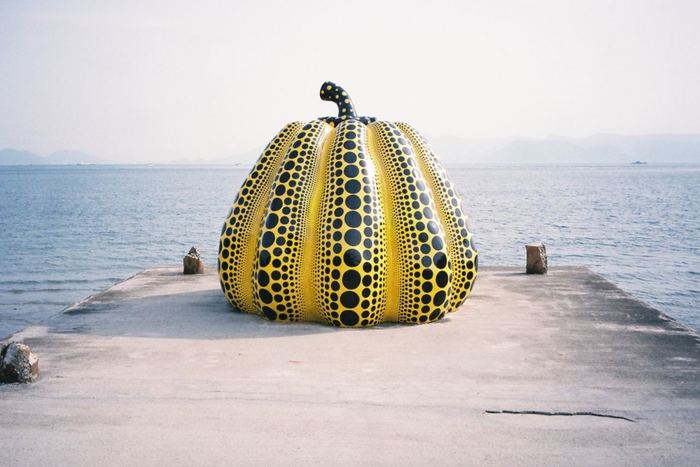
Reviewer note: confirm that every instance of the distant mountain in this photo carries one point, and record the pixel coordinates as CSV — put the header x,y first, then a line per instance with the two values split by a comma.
x,y
596,149
18,157
453,150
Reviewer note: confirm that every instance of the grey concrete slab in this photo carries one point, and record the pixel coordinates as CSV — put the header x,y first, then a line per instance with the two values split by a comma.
x,y
158,371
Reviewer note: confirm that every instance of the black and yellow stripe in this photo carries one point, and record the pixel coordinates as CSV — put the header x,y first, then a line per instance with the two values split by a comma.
x,y
349,221
241,231
451,215
351,262
277,277
422,256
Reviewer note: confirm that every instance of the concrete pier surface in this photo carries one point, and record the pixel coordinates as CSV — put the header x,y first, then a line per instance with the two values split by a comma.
x,y
560,369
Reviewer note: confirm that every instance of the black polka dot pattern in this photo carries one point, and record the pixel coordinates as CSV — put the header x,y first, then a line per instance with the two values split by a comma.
x,y
346,110
277,279
351,255
241,229
425,267
453,218
349,221
334,121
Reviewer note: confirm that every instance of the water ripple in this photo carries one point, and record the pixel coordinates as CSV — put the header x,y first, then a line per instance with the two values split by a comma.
x,y
69,231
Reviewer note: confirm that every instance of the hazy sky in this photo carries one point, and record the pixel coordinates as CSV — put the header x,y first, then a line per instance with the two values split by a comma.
x,y
160,81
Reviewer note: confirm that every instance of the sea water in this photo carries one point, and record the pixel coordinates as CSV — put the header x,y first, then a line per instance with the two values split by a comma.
x,y
70,231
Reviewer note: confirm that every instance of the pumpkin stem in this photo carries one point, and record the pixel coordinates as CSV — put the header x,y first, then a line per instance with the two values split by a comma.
x,y
334,93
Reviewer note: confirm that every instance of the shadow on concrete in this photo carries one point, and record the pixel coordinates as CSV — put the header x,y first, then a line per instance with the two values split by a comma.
x,y
202,314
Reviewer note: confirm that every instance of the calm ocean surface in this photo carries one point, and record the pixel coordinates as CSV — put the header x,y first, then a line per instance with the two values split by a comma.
x,y
69,231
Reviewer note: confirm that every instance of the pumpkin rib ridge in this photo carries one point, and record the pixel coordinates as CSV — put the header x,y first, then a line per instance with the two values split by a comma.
x,y
379,236
452,215
312,310
349,221
351,263
277,271
393,257
425,267
239,235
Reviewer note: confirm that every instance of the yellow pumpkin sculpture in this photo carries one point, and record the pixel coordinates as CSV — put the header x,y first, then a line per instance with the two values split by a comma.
x,y
349,221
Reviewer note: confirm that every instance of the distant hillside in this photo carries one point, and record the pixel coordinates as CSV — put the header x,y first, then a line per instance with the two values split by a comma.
x,y
597,149
452,150
18,157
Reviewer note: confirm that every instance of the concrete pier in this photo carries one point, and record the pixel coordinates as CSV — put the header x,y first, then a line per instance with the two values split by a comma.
x,y
562,368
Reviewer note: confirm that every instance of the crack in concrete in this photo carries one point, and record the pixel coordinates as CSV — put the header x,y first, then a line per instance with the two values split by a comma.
x,y
564,414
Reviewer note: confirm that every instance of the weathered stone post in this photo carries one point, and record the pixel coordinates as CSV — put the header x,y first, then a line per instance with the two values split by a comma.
x,y
536,258
192,262
18,364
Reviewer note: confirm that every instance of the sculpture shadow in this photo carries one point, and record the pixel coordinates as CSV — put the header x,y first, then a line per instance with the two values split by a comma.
x,y
203,314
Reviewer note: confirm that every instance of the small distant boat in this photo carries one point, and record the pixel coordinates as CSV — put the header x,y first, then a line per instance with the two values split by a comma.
x,y
639,163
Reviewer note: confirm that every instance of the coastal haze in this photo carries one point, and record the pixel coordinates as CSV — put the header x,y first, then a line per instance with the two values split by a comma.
x,y
158,82
127,128
455,151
